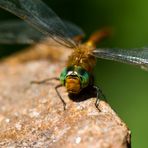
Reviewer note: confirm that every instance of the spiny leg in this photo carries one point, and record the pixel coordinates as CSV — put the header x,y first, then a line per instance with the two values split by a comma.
x,y
56,88
99,94
44,81
64,103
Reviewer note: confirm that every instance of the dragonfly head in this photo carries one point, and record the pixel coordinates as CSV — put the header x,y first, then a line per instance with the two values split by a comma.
x,y
72,84
74,78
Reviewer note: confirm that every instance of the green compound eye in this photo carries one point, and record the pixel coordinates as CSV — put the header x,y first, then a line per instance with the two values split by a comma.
x,y
63,75
78,71
83,75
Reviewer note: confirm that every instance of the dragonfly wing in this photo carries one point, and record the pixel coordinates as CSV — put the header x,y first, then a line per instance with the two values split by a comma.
x,y
137,57
74,29
20,32
40,16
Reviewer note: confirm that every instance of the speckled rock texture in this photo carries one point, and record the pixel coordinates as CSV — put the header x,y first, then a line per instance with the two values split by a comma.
x,y
32,115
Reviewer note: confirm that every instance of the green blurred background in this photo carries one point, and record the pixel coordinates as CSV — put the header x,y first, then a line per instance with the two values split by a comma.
x,y
125,86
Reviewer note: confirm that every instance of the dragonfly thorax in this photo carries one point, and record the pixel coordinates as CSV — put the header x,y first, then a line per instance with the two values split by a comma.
x,y
82,56
75,78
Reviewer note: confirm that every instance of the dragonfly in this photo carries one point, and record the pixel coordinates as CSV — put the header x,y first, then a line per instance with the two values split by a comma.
x,y
78,73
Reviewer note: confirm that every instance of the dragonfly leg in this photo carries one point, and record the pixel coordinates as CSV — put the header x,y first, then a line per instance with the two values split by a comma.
x,y
56,88
44,81
64,103
99,94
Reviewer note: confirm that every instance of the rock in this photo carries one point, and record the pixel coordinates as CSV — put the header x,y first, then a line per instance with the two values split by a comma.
x,y
32,115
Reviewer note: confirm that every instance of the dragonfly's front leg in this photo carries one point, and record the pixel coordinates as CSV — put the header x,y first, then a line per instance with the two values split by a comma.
x,y
44,81
64,103
99,94
56,88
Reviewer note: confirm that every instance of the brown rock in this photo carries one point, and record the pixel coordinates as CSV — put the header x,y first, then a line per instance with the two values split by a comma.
x,y
32,115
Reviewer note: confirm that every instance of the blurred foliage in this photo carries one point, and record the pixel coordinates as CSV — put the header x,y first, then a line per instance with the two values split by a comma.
x,y
124,85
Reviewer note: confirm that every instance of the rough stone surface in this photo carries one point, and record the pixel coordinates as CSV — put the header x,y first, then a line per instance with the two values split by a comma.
x,y
32,115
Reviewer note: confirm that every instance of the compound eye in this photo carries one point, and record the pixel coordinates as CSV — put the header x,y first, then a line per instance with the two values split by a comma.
x,y
84,77
63,75
66,71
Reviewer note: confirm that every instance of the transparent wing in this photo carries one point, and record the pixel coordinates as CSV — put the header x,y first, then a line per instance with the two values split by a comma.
x,y
73,29
41,17
137,56
19,32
